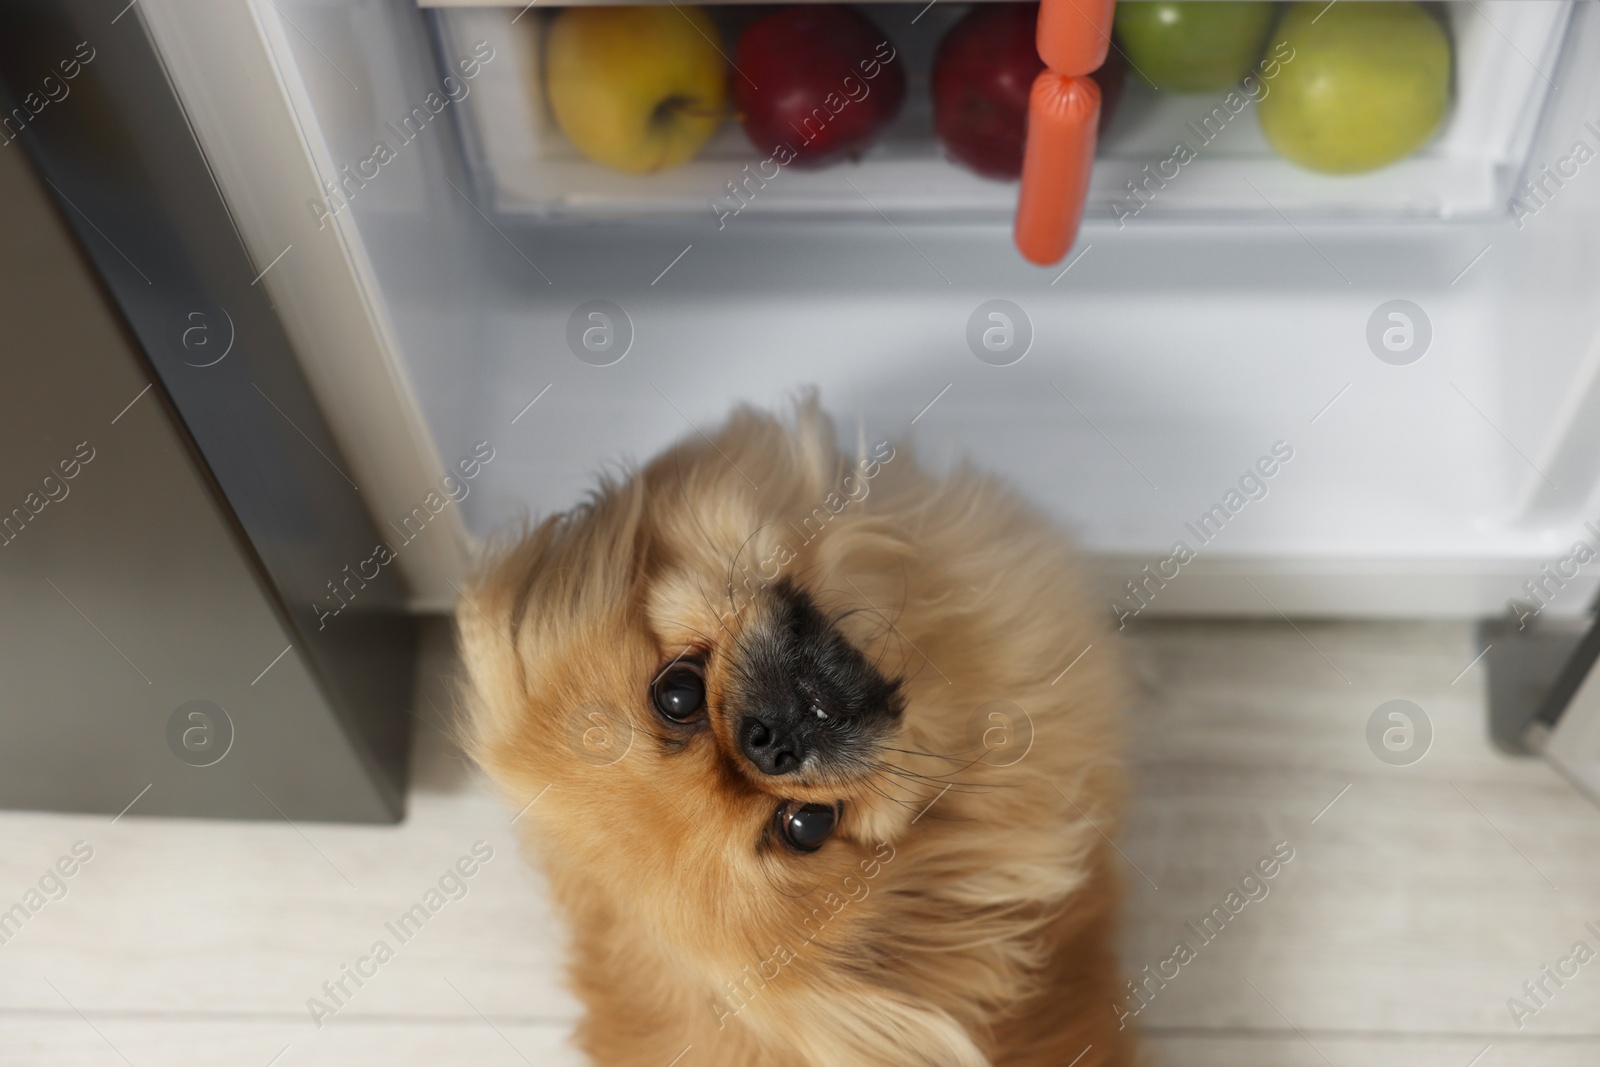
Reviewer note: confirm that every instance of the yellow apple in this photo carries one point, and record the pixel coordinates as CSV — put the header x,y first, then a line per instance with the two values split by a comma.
x,y
1365,84
636,88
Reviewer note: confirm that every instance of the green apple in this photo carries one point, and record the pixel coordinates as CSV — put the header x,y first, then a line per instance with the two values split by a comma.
x,y
636,88
1194,46
1366,84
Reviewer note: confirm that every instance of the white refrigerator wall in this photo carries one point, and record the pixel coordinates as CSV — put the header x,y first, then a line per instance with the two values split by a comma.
x,y
1179,349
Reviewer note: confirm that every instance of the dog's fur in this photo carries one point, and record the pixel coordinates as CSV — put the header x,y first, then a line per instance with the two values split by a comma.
x,y
962,913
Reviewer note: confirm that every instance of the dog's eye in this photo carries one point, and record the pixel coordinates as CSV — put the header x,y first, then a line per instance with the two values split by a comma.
x,y
679,692
804,827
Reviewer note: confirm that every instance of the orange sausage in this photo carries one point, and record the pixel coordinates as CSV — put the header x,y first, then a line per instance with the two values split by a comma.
x,y
1073,35
1062,114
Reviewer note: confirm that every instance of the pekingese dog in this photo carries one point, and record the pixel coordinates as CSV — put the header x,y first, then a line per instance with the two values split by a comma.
x,y
819,756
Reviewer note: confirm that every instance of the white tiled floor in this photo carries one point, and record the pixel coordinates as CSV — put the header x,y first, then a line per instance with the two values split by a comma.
x,y
1413,908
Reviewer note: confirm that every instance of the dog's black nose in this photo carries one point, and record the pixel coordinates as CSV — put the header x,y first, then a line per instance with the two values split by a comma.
x,y
800,697
771,747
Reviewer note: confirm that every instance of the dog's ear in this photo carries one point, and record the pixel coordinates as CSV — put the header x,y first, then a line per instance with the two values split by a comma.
x,y
546,591
572,565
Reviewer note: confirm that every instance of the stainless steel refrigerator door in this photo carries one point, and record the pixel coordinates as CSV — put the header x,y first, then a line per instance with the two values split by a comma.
x,y
192,622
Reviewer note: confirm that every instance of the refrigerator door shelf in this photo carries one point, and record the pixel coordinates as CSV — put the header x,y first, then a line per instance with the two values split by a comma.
x,y
1225,169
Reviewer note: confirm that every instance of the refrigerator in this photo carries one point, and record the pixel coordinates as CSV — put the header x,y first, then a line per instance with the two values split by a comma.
x,y
1248,389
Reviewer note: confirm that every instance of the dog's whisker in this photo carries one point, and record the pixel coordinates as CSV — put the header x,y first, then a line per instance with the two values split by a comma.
x,y
942,779
928,755
965,789
734,560
912,790
967,763
926,779
907,804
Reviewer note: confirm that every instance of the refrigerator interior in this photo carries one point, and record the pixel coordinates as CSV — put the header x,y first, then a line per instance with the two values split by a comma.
x,y
1174,348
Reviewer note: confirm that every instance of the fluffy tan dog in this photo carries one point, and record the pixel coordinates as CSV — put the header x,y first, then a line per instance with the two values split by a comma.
x,y
815,790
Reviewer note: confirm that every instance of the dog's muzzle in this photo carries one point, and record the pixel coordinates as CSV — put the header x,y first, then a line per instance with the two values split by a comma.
x,y
803,697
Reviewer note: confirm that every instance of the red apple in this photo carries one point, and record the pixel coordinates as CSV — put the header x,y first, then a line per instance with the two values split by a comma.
x,y
820,79
982,76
